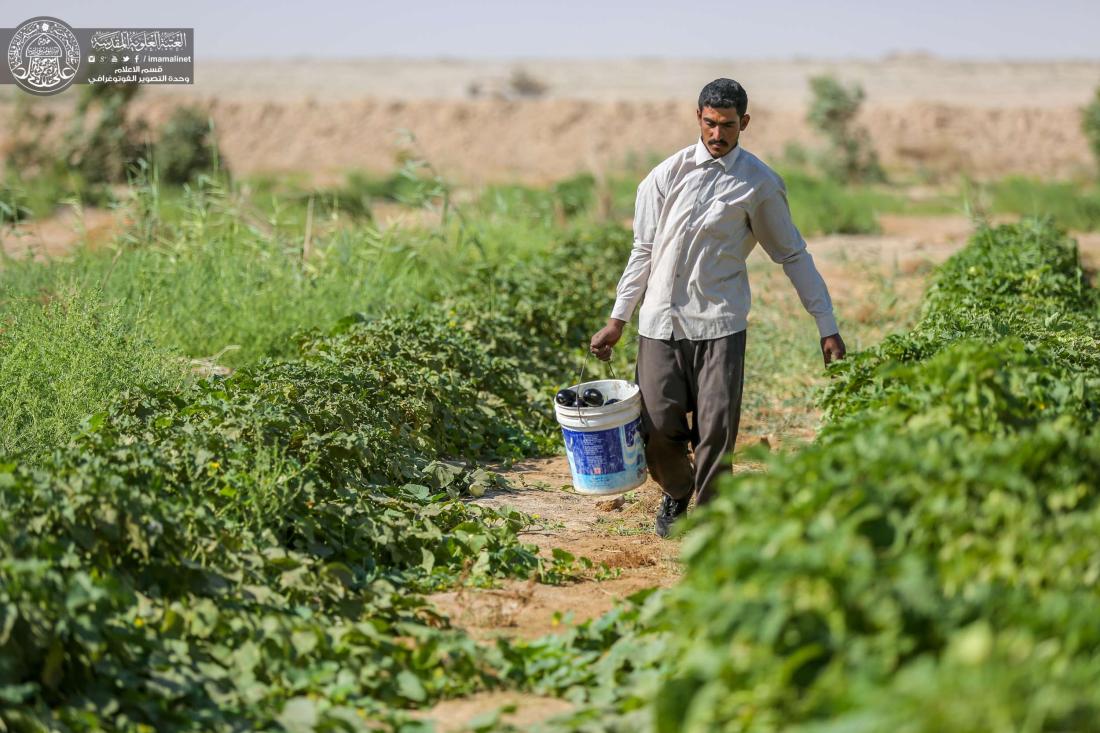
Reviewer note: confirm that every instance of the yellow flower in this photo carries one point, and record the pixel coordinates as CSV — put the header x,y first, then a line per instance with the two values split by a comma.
x,y
139,622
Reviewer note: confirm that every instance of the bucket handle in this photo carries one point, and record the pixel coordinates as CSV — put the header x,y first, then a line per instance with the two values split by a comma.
x,y
580,379
584,363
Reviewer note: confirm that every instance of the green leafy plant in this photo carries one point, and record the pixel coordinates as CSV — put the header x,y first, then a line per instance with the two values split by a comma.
x,y
252,550
936,540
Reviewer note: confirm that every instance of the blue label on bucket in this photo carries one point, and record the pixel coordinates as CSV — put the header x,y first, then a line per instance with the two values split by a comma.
x,y
595,453
606,461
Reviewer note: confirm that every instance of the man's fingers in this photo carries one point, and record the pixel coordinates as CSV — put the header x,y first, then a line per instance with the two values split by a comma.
x,y
832,349
602,344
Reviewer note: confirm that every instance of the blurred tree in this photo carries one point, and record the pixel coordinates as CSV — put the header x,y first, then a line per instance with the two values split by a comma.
x,y
1090,123
105,141
832,113
186,146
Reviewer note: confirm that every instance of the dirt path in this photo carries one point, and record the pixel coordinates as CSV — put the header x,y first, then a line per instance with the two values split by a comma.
x,y
614,531
455,716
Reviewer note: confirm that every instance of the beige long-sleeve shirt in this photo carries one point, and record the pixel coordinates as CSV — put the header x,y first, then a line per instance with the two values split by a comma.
x,y
696,220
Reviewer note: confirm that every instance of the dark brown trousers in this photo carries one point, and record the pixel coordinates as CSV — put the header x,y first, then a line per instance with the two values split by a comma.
x,y
704,378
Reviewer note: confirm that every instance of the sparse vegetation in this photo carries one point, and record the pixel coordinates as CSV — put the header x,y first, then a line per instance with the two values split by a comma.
x,y
103,145
1090,124
105,141
186,147
833,111
523,84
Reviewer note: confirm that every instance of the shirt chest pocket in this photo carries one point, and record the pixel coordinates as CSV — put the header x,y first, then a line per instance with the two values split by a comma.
x,y
724,219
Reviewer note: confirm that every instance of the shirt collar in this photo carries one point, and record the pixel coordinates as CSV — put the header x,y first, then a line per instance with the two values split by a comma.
x,y
702,155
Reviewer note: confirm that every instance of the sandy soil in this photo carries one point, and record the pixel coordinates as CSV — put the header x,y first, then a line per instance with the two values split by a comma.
x,y
614,531
896,79
452,716
54,236
542,140
925,115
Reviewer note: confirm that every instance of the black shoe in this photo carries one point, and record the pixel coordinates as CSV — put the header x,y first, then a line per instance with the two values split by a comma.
x,y
668,512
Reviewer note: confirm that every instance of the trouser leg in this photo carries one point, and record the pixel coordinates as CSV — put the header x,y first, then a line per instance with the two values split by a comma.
x,y
719,369
667,390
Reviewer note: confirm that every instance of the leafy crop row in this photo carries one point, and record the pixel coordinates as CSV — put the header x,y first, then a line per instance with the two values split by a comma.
x,y
930,563
248,553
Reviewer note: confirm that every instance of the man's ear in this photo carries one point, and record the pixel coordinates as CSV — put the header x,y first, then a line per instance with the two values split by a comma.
x,y
698,114
744,120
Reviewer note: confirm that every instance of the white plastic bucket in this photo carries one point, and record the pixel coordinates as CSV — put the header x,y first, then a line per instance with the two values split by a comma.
x,y
604,444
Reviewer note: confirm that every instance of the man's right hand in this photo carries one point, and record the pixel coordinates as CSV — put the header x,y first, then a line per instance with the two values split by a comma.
x,y
607,337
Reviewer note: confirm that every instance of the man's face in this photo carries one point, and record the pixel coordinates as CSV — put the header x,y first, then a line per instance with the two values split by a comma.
x,y
720,128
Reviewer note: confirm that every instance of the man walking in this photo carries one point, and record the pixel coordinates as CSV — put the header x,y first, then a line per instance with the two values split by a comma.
x,y
697,217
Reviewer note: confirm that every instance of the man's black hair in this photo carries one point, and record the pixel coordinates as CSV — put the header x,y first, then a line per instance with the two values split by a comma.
x,y
723,94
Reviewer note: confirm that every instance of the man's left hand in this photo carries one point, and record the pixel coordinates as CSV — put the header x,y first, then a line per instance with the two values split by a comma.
x,y
832,348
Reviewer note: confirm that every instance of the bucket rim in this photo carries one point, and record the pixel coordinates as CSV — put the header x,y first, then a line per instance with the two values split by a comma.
x,y
593,418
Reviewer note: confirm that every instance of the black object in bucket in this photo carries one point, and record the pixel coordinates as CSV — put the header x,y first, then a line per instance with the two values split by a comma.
x,y
592,397
566,398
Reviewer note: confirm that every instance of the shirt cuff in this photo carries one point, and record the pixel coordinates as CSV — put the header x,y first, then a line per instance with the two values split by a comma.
x,y
826,325
623,311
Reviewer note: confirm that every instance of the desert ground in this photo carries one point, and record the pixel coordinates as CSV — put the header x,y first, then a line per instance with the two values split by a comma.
x,y
927,116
